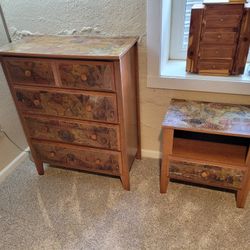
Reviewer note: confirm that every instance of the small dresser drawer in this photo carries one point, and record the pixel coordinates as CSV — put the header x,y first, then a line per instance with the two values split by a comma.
x,y
87,75
80,105
206,174
218,67
30,71
216,52
215,37
81,158
222,21
80,133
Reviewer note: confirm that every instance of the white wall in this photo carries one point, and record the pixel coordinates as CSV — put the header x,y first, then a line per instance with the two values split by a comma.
x,y
109,18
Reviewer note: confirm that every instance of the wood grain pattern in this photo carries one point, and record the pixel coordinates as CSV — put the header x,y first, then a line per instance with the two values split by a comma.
x,y
194,37
222,21
243,44
217,37
207,174
80,133
26,71
73,47
84,106
208,117
87,75
79,157
216,52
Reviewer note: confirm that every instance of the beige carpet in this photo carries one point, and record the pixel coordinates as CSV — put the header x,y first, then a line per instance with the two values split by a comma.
x,y
72,210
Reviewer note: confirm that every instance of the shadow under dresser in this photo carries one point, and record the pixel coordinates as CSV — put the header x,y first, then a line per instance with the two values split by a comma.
x,y
77,98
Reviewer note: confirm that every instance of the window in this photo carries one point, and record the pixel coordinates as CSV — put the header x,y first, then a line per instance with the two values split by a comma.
x,y
181,13
164,70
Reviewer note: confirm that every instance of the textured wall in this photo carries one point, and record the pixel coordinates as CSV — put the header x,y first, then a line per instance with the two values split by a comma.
x,y
109,18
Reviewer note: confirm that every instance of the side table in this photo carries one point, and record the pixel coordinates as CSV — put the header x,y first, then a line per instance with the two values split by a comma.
x,y
207,143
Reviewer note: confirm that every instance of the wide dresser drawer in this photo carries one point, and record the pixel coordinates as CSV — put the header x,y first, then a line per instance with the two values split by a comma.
x,y
70,104
82,158
80,133
206,174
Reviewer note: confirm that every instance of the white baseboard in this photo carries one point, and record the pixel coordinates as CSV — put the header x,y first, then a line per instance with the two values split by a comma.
x,y
13,165
151,154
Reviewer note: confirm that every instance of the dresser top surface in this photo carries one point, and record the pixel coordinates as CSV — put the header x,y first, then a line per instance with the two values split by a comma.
x,y
70,47
208,117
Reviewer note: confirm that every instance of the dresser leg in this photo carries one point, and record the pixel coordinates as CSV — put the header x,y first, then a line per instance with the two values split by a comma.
x,y
125,182
39,166
164,179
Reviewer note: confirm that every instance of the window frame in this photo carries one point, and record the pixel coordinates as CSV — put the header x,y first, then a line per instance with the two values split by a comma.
x,y
170,74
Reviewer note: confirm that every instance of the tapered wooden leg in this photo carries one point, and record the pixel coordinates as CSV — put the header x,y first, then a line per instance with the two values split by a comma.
x,y
39,166
125,182
241,198
167,147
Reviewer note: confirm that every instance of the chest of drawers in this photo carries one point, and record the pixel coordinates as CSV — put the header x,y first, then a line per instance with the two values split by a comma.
x,y
219,38
77,98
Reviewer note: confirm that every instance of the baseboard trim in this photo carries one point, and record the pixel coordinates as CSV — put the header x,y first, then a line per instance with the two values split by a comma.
x,y
151,154
13,165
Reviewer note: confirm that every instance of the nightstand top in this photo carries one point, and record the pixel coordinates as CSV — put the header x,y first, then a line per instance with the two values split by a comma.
x,y
208,117
79,47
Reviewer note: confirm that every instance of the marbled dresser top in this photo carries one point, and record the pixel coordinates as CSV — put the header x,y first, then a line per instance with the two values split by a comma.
x,y
69,46
208,117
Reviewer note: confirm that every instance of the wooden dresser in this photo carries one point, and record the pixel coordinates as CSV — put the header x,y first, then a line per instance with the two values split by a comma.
x,y
207,143
77,98
219,38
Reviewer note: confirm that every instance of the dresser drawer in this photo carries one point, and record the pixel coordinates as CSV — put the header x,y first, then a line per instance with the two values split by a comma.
x,y
206,174
87,75
81,158
222,66
216,52
29,71
215,37
222,21
81,133
80,105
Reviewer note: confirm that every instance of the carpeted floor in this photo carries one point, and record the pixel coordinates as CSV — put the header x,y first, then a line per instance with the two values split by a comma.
x,y
72,210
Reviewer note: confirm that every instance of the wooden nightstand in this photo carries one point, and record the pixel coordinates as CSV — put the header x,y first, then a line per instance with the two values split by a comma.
x,y
207,143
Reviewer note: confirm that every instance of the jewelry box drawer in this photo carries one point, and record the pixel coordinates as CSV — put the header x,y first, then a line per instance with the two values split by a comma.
x,y
216,67
222,21
90,75
30,71
82,158
224,9
216,52
80,133
206,174
216,37
62,103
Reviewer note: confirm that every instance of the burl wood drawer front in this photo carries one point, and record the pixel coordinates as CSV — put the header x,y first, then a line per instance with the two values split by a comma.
x,y
207,174
215,37
30,71
216,52
80,133
87,75
80,105
79,157
222,21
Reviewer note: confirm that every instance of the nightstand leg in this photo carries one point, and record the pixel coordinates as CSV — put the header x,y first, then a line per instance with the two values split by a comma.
x,y
241,198
167,147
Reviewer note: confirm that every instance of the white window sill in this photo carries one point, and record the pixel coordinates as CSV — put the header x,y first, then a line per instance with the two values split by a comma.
x,y
174,76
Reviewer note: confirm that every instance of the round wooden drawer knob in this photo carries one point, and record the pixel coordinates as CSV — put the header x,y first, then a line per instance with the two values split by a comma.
x,y
219,36
98,162
89,108
94,137
52,154
217,52
36,102
213,67
204,174
27,73
222,20
84,77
